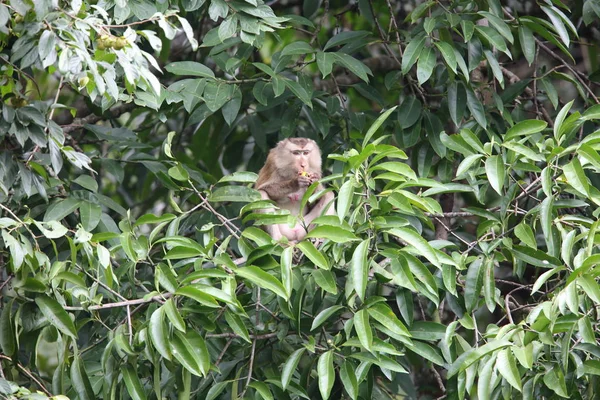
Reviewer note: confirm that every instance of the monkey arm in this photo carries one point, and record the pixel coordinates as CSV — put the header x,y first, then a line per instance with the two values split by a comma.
x,y
277,191
272,230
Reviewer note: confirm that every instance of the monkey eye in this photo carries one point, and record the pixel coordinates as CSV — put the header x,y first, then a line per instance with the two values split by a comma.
x,y
296,152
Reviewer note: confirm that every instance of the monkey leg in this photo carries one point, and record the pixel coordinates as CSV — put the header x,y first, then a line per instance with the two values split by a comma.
x,y
325,206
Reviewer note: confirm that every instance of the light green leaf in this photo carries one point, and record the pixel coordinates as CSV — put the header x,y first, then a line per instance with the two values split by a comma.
x,y
421,245
314,255
326,374
324,315
378,122
190,68
496,172
262,279
290,366
359,268
363,329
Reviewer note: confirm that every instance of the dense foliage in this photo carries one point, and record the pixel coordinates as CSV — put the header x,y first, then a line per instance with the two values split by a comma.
x,y
460,139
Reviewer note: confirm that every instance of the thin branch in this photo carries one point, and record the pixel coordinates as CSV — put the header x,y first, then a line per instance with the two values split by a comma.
x,y
8,210
236,336
93,118
29,374
158,298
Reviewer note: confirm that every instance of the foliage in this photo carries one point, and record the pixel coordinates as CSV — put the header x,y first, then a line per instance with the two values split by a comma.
x,y
462,259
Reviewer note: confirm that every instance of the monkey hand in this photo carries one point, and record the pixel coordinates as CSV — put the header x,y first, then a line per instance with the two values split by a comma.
x,y
304,180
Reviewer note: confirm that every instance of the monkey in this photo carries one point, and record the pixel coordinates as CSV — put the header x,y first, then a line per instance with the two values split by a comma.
x,y
291,167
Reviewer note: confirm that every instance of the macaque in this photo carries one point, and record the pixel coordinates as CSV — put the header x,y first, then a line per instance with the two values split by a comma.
x,y
292,166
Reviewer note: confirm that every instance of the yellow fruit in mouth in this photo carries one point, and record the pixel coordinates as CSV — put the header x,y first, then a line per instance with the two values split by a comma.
x,y
304,173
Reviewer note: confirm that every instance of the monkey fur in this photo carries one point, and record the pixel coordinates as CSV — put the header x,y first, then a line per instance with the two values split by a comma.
x,y
291,166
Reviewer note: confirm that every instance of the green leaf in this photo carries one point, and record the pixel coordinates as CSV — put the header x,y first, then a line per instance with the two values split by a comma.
x,y
476,109
173,315
325,373
448,53
190,68
286,270
234,194
473,355
314,255
425,65
363,329
558,25
262,389
262,279
524,151
324,315
525,128
227,28
457,101
90,215
348,378
576,177
7,330
216,95
412,52
237,325
159,333
473,284
345,197
325,63
188,354
555,380
501,26
535,257
133,383
335,234
345,37
544,277
560,118
527,42
51,229
355,66
421,245
491,35
496,173
297,48
299,91
290,367
56,315
359,268
525,234
378,122
546,219
383,314
80,381
325,279
87,182
57,211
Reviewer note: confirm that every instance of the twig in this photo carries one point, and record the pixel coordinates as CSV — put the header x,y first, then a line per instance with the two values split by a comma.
x,y
93,118
8,210
438,378
236,336
206,205
28,373
222,354
249,378
158,298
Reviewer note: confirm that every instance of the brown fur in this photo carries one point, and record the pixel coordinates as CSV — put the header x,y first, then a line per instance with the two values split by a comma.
x,y
284,179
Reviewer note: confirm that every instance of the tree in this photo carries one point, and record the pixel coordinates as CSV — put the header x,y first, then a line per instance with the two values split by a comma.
x,y
461,142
